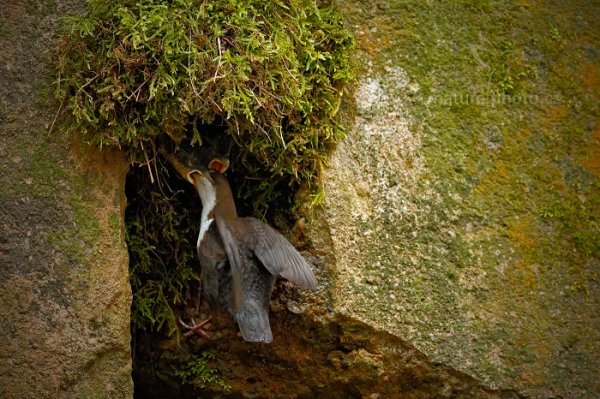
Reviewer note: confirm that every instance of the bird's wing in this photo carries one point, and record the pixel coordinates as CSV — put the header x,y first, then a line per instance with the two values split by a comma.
x,y
251,315
279,256
211,254
233,254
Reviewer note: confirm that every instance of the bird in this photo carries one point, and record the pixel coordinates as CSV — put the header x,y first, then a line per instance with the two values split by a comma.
x,y
213,153
257,255
240,258
215,274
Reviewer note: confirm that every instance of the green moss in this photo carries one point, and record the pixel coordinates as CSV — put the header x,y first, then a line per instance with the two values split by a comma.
x,y
199,372
132,72
498,235
115,224
273,72
161,233
88,226
42,170
78,237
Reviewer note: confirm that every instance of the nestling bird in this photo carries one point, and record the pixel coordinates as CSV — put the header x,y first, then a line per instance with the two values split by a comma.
x,y
240,258
213,153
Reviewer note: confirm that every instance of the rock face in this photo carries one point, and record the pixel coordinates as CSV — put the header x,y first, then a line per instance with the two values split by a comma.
x,y
460,210
457,246
64,290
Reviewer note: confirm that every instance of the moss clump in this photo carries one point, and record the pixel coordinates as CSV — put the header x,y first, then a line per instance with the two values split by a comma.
x,y
274,72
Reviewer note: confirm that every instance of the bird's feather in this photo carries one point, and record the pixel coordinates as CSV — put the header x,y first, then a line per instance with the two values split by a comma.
x,y
215,273
256,254
276,253
233,254
253,321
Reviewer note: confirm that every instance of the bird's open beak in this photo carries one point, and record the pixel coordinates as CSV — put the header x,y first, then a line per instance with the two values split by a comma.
x,y
193,176
219,164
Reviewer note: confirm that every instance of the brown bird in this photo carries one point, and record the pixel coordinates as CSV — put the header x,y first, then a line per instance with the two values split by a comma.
x,y
257,255
212,154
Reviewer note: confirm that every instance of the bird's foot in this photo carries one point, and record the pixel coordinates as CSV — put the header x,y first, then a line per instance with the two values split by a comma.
x,y
194,328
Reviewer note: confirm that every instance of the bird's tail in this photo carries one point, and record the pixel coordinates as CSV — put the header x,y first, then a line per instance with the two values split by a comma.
x,y
254,323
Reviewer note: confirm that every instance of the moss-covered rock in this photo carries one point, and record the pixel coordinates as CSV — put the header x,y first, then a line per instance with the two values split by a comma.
x,y
64,292
461,210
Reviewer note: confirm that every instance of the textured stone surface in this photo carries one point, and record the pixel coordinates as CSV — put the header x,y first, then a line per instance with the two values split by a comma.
x,y
461,212
64,291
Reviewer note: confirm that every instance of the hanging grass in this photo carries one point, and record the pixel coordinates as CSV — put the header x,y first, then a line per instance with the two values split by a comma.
x,y
273,71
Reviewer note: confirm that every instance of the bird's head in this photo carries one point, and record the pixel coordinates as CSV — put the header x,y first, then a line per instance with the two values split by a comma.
x,y
219,164
202,180
213,186
213,154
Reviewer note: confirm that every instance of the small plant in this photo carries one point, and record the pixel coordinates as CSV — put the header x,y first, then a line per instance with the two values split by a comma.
x,y
513,72
554,34
198,372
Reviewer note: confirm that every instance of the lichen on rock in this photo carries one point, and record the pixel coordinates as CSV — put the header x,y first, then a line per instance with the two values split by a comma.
x,y
465,180
64,293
